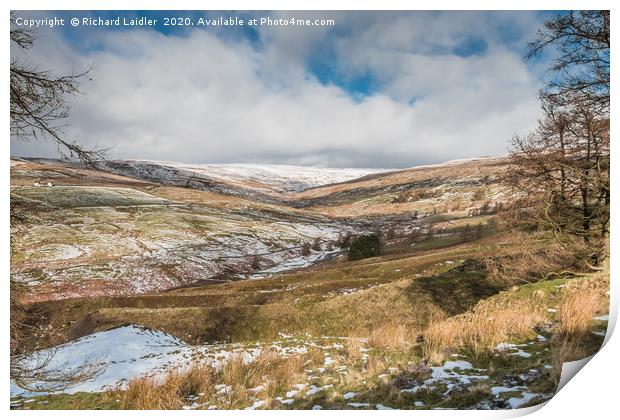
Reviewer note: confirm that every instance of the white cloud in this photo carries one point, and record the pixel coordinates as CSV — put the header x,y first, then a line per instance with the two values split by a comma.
x,y
200,98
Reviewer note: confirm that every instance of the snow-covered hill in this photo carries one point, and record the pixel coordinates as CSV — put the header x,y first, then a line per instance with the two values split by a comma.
x,y
238,179
284,177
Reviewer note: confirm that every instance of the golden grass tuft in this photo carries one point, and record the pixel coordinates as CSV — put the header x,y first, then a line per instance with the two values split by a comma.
x,y
391,335
375,365
480,331
577,310
170,392
568,349
316,356
438,337
271,370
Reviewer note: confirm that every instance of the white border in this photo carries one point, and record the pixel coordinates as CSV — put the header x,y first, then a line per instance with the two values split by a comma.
x,y
592,394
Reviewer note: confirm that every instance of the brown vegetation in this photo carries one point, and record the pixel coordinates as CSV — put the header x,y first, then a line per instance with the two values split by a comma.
x,y
240,383
392,335
479,331
577,310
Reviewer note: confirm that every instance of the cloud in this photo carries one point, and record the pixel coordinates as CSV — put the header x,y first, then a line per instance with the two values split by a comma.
x,y
202,98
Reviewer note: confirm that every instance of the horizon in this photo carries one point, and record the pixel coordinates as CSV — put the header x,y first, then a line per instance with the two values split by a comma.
x,y
261,164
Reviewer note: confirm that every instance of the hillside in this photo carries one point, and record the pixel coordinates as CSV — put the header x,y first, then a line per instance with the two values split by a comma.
x,y
454,186
245,286
254,180
95,232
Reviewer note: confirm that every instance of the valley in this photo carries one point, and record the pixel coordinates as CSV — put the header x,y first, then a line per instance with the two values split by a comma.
x,y
142,270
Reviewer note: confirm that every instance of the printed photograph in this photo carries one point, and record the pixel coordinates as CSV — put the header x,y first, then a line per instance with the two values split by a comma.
x,y
306,210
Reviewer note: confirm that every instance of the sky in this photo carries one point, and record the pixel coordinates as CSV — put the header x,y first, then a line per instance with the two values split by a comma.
x,y
376,89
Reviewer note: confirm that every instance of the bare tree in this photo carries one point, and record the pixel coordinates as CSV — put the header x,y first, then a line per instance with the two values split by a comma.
x,y
581,66
465,231
564,175
37,110
479,230
561,169
39,101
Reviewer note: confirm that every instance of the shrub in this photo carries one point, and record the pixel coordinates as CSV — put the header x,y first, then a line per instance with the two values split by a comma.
x,y
438,337
364,246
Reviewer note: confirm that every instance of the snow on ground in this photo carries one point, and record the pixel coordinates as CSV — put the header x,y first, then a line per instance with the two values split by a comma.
x,y
285,177
118,354
129,352
123,353
453,373
456,374
295,262
233,246
515,347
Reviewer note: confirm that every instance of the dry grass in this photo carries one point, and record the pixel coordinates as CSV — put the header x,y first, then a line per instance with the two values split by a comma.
x,y
487,329
530,259
513,316
170,392
375,365
582,301
438,337
576,311
392,335
567,350
478,332
270,373
353,350
316,356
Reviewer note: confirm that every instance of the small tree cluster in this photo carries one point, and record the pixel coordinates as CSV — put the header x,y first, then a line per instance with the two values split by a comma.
x,y
365,246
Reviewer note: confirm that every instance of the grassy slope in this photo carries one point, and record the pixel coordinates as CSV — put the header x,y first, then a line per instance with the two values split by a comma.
x,y
338,299
446,188
381,377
